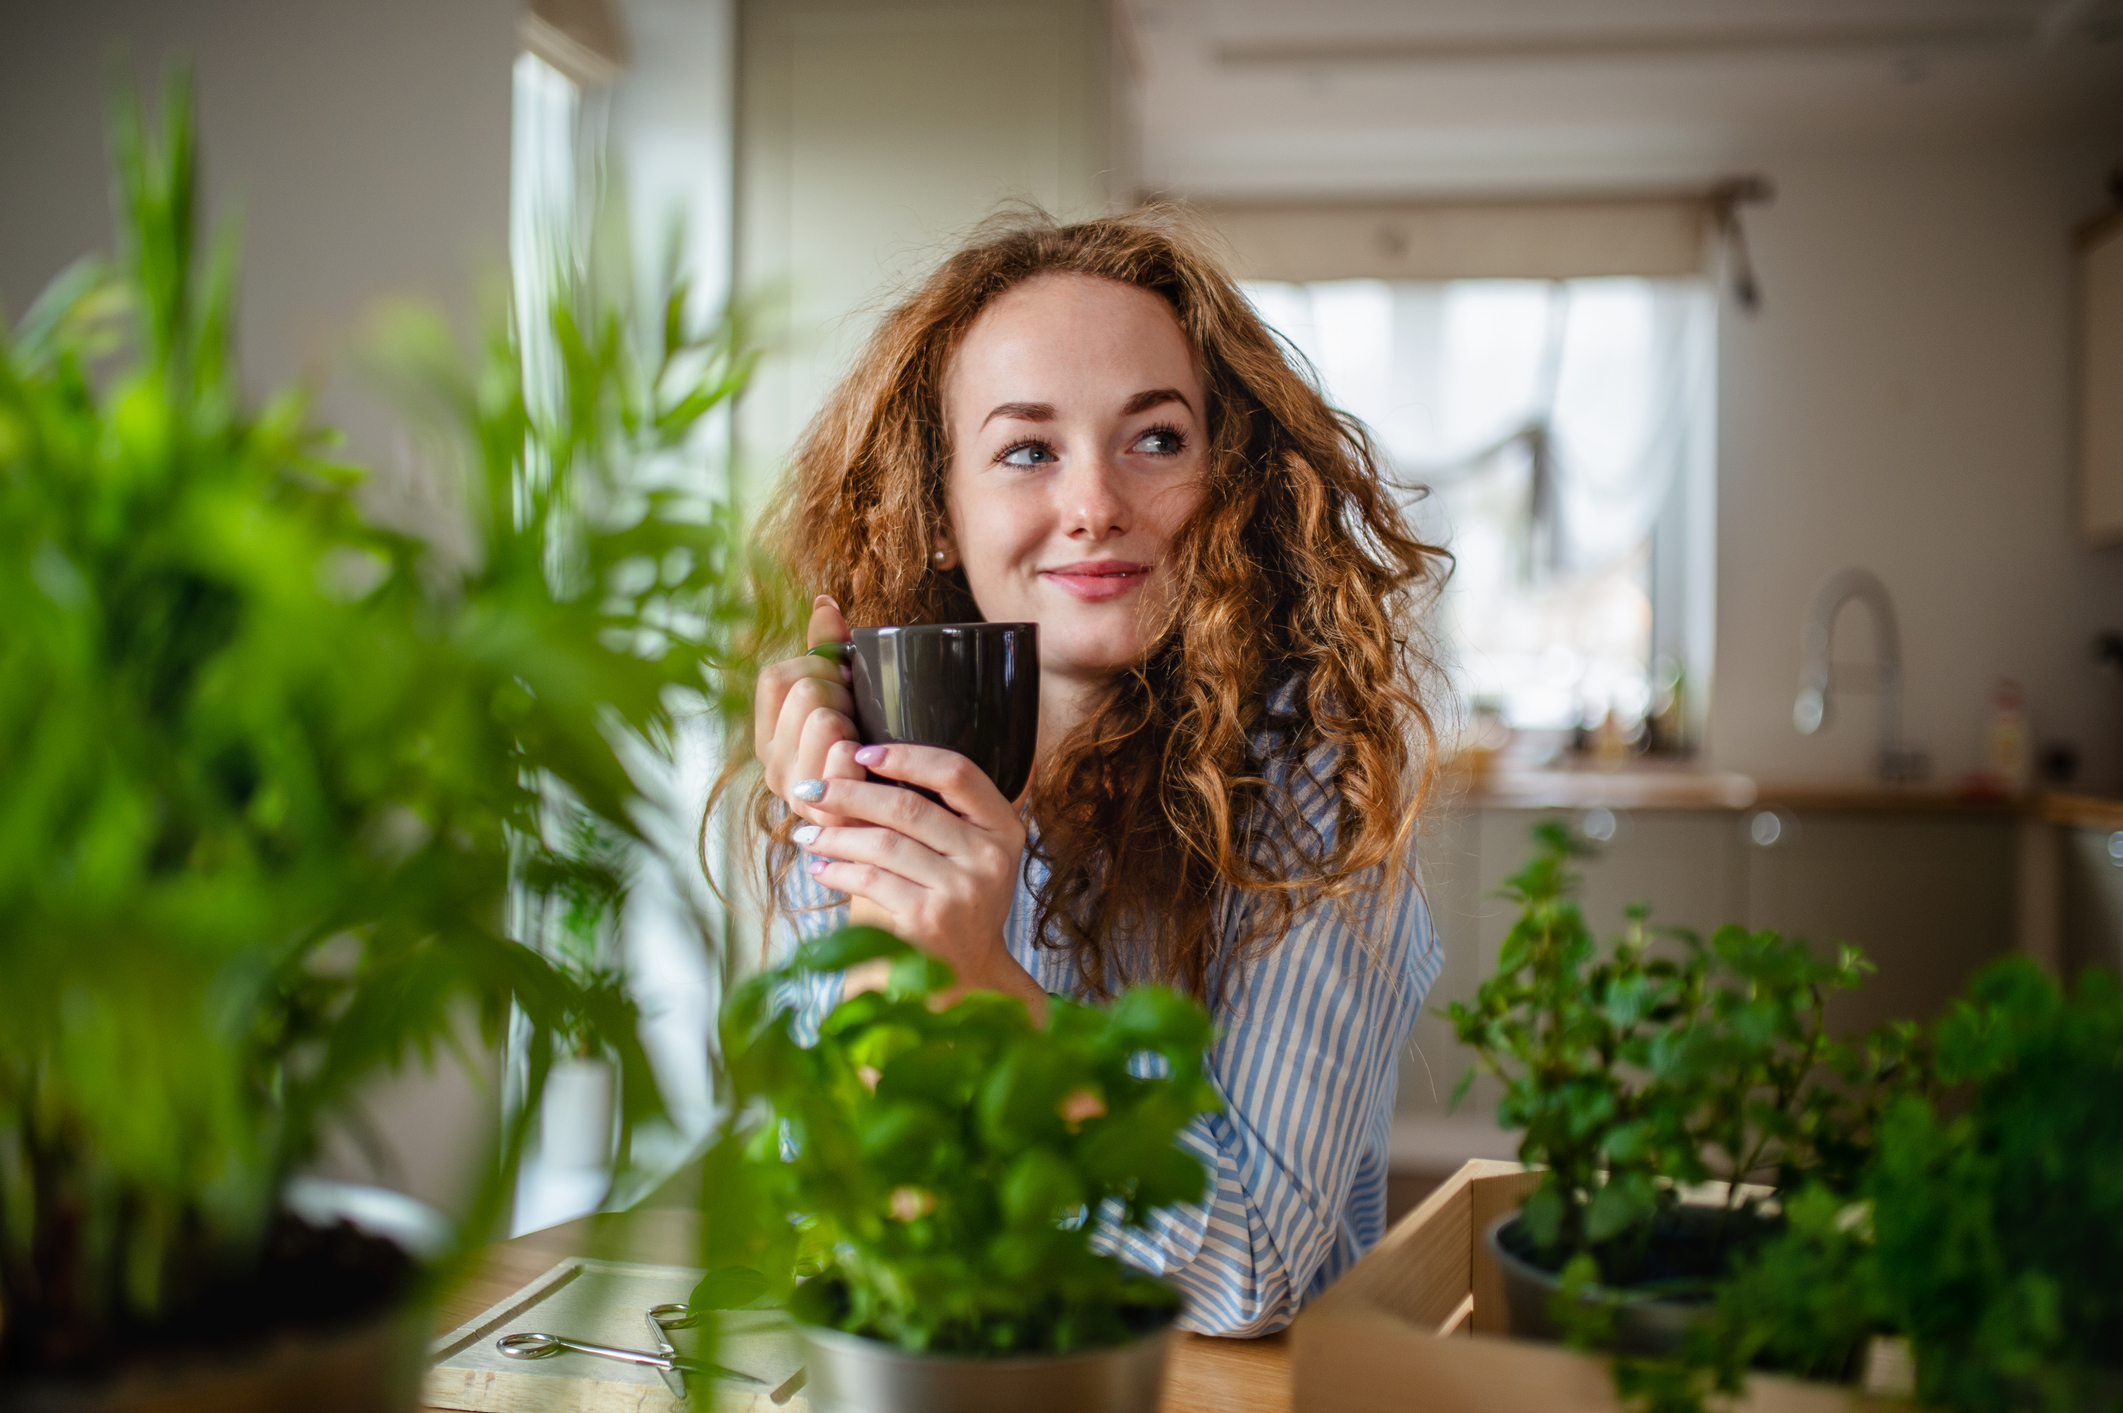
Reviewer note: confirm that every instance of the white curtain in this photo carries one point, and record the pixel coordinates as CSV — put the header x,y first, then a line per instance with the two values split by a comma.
x,y
1550,420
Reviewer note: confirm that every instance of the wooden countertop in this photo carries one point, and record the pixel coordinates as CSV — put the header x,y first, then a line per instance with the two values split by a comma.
x,y
1665,788
2082,811
1203,1374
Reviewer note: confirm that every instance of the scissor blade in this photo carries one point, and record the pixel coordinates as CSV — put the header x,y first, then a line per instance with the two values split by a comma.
x,y
716,1371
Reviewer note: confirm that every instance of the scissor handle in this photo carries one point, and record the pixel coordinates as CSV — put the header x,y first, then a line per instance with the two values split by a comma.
x,y
526,1344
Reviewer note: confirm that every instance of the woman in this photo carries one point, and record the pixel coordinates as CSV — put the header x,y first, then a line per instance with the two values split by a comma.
x,y
1088,427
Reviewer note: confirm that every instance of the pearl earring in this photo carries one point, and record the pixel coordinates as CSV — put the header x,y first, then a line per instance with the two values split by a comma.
x,y
937,557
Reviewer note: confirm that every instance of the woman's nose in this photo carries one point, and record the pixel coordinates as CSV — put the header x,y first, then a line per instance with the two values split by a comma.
x,y
1092,502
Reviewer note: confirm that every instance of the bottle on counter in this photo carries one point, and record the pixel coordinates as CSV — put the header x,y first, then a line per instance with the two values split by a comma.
x,y
2012,753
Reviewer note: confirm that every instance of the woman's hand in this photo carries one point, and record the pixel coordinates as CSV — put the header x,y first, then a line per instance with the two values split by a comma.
x,y
942,880
803,716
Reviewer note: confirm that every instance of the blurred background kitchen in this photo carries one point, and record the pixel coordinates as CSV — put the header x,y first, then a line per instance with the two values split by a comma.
x,y
1763,360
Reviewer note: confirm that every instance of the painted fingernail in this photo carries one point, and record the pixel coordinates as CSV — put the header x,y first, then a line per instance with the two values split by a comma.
x,y
817,866
810,791
806,834
870,755
826,601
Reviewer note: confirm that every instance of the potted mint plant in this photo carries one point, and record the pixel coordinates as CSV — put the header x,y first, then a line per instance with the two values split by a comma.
x,y
273,772
1639,1070
933,1191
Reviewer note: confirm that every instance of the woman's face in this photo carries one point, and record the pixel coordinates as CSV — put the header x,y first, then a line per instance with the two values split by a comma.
x,y
1079,442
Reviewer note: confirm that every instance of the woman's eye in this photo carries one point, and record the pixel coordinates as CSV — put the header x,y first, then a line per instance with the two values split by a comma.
x,y
1029,454
1161,441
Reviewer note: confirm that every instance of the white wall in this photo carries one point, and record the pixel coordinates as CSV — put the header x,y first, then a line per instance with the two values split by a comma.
x,y
366,144
871,133
674,117
1903,402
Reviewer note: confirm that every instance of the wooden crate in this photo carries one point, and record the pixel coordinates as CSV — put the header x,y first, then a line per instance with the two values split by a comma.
x,y
1419,1323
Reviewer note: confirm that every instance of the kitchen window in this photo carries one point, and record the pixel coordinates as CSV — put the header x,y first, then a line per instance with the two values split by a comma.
x,y
1556,436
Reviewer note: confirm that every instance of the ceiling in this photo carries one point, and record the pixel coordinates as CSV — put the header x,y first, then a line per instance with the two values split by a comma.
x,y
1373,97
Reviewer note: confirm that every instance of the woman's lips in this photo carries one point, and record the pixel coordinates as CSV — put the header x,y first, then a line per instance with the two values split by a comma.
x,y
1095,579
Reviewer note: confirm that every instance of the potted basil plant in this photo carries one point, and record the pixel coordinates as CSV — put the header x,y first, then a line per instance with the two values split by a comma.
x,y
272,774
1639,1071
934,1192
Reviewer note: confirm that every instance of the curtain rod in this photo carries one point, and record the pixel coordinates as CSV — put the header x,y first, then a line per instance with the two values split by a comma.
x,y
1980,31
1725,192
1719,202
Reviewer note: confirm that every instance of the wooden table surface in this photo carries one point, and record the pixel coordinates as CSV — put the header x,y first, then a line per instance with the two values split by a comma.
x,y
1203,1374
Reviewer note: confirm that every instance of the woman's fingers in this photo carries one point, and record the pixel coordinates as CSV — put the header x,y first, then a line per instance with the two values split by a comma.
x,y
903,811
881,887
824,750
770,700
821,682
813,706
889,807
964,786
886,849
814,714
828,624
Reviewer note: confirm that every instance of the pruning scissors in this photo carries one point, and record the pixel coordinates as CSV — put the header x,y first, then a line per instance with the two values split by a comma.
x,y
678,1316
664,1359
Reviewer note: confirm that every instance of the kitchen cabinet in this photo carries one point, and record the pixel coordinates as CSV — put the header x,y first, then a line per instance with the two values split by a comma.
x,y
1928,896
2091,898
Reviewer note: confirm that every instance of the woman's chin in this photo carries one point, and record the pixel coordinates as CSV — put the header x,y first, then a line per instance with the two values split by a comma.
x,y
1064,655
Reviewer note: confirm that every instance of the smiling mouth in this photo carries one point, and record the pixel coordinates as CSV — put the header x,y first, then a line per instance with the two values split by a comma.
x,y
1098,578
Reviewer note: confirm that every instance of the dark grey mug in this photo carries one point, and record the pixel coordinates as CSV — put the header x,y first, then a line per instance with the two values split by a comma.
x,y
970,687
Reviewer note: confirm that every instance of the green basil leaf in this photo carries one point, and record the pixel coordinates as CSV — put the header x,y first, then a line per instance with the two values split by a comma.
x,y
727,1288
847,947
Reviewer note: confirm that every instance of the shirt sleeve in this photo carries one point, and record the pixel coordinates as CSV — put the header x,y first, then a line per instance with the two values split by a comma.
x,y
1307,1064
808,910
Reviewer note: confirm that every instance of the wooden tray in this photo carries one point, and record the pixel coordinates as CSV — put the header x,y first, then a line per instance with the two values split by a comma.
x,y
1420,1322
605,1302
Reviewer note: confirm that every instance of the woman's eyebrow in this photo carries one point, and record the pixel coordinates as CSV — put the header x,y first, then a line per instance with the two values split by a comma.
x,y
1144,401
1022,412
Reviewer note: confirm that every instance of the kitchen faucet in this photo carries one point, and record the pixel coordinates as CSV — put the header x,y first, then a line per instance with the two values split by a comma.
x,y
1810,712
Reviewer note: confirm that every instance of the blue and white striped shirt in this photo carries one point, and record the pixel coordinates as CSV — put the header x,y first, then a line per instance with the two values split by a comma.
x,y
1306,1063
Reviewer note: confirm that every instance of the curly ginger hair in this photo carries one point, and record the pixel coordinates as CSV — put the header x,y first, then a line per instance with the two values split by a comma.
x,y
1299,569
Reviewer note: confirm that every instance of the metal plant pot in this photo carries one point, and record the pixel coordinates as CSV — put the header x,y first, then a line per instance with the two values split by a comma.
x,y
850,1374
1643,1325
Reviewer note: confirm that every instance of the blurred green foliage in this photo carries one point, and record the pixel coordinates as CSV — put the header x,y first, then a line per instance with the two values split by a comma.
x,y
1989,1226
270,769
938,1175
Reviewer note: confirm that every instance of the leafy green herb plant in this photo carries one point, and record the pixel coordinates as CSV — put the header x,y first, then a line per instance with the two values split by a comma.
x,y
1989,1228
938,1177
273,772
1999,1228
1951,1191
1658,1062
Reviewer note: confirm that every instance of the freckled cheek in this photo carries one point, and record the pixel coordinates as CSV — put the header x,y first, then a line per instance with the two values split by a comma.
x,y
1001,549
